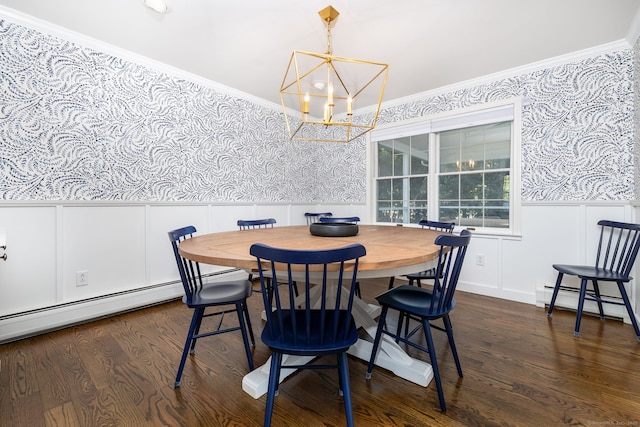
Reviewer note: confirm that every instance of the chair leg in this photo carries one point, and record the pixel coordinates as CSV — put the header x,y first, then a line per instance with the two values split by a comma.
x,y
376,341
391,280
245,337
269,290
248,321
401,317
195,322
406,325
295,288
627,304
272,388
596,291
340,386
196,331
434,363
452,344
343,367
555,293
583,292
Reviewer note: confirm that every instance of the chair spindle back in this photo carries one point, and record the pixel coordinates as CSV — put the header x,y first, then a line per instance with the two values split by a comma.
x,y
618,247
451,256
189,270
246,224
318,318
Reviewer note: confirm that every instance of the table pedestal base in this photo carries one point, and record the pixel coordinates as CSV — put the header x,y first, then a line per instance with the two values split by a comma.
x,y
255,382
390,356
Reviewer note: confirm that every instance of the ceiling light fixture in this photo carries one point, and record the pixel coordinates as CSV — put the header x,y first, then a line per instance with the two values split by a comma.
x,y
319,93
157,5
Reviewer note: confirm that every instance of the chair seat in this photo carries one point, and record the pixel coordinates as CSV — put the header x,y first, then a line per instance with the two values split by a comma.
x,y
427,274
591,273
219,293
413,300
315,344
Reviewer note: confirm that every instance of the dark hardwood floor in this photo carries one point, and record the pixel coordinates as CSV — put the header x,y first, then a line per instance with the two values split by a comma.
x,y
520,369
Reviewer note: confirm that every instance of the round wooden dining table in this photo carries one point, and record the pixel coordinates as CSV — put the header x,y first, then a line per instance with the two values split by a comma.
x,y
391,251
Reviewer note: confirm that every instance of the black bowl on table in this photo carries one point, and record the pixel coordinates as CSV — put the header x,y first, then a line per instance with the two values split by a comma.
x,y
334,229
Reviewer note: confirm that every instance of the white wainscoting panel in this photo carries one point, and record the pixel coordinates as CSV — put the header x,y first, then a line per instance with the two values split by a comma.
x,y
125,249
28,277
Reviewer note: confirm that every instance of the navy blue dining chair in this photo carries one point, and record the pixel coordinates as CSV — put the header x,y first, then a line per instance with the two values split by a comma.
x,y
334,219
344,219
300,327
200,296
617,251
313,217
445,227
246,224
426,305
251,224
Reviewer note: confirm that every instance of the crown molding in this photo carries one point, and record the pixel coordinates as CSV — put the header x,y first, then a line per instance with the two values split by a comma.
x,y
634,29
100,46
513,72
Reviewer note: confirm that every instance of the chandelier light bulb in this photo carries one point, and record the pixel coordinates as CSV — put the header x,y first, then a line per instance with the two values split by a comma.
x,y
157,5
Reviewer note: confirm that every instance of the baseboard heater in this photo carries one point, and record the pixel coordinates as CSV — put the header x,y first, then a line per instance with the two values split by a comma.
x,y
568,300
28,323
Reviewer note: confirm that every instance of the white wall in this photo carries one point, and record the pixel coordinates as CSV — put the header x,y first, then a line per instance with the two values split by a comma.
x,y
520,268
123,246
125,249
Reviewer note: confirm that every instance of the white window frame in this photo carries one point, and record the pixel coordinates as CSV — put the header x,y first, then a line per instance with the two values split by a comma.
x,y
509,109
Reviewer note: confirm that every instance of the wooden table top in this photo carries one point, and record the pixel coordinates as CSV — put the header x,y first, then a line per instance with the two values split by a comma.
x,y
401,250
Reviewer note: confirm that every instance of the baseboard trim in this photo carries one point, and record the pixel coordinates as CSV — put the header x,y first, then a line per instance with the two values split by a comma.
x,y
35,322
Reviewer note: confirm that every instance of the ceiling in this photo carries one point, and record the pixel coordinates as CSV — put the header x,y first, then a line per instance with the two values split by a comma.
x,y
246,44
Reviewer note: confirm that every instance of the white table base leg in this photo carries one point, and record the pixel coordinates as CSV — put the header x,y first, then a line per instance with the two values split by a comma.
x,y
255,382
393,358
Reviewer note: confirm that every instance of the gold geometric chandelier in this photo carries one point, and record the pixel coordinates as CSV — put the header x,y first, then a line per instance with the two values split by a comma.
x,y
320,92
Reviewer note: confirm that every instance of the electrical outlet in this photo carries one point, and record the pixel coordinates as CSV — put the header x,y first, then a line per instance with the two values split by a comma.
x,y
480,260
82,278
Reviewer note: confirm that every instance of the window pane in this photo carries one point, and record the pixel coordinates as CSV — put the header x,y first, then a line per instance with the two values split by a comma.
x,y
448,187
399,186
385,158
416,215
449,211
498,146
497,185
498,210
472,149
471,217
401,151
418,188
397,214
384,212
450,151
419,154
384,189
471,186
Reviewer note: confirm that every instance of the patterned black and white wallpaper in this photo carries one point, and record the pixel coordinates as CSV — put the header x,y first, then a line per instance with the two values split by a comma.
x,y
636,120
76,124
577,126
